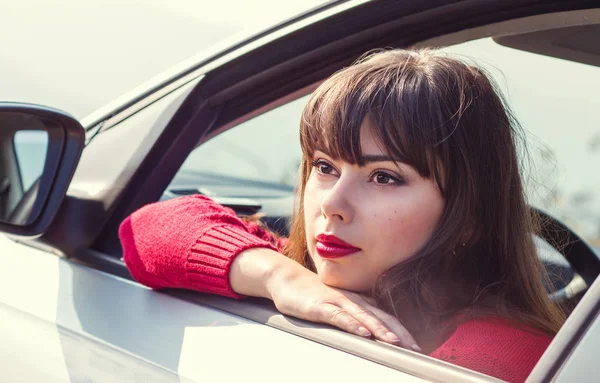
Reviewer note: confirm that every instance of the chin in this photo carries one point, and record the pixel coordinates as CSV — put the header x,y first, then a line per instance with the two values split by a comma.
x,y
335,274
339,282
332,278
331,282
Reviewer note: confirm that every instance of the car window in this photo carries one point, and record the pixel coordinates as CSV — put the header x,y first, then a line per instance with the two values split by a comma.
x,y
30,149
555,101
265,149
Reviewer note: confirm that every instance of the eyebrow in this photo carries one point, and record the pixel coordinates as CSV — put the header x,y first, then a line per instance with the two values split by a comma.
x,y
379,158
372,158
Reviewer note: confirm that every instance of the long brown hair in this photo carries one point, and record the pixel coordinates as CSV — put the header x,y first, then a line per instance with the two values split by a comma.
x,y
445,118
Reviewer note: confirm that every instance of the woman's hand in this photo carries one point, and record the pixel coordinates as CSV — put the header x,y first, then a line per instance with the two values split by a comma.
x,y
301,294
298,292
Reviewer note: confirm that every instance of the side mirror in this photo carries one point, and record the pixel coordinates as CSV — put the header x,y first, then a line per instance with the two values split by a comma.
x,y
39,151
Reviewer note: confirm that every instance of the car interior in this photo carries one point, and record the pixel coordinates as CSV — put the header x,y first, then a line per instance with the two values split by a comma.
x,y
576,43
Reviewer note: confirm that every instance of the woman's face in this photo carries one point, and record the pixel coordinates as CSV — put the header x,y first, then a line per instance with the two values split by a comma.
x,y
360,221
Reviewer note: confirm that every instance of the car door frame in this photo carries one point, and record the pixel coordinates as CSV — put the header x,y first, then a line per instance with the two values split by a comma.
x,y
557,363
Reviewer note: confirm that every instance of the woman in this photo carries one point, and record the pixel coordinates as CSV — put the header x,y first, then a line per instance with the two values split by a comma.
x,y
411,225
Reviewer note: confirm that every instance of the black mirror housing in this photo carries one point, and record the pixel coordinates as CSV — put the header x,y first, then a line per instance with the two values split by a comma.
x,y
33,183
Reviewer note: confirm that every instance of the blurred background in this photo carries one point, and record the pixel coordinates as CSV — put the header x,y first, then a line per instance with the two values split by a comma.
x,y
78,55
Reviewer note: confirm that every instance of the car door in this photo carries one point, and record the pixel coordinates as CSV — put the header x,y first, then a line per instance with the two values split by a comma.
x,y
134,158
95,325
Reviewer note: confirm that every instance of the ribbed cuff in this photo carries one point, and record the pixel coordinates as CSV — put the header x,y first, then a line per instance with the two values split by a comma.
x,y
210,258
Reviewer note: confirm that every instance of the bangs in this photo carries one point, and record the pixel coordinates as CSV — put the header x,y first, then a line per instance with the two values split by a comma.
x,y
394,92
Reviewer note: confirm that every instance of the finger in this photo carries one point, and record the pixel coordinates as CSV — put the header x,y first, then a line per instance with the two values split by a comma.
x,y
371,322
391,322
402,336
338,317
357,306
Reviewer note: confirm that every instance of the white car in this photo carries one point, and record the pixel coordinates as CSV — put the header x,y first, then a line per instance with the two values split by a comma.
x,y
225,124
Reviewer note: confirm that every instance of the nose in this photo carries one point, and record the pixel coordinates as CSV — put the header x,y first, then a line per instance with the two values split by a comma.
x,y
336,203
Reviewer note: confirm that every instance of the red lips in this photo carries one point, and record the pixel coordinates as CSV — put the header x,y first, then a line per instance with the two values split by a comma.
x,y
330,246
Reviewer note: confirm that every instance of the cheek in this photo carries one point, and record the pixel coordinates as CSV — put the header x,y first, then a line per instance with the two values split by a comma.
x,y
310,199
311,211
413,226
403,226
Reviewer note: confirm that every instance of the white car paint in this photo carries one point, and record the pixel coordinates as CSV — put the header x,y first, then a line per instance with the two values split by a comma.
x,y
582,365
155,333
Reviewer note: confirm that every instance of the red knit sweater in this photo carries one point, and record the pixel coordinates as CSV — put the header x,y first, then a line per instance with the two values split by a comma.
x,y
190,243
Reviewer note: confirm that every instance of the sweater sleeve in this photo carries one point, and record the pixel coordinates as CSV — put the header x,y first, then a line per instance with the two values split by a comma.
x,y
189,243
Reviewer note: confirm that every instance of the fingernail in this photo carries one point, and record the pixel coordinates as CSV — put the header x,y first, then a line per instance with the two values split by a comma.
x,y
392,337
362,331
416,348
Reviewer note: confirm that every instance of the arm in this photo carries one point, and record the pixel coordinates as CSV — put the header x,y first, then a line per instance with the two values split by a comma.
x,y
194,243
188,243
298,292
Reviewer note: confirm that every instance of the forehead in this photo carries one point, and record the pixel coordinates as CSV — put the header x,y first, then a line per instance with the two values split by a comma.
x,y
369,143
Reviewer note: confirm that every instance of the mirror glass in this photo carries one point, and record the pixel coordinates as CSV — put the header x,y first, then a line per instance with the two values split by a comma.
x,y
25,173
31,147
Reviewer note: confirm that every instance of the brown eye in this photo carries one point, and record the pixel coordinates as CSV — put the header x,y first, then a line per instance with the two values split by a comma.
x,y
323,167
381,178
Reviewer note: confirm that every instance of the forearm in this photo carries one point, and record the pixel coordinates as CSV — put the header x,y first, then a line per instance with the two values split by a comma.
x,y
298,292
186,243
254,272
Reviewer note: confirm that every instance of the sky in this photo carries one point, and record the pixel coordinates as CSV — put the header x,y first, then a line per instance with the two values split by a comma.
x,y
78,55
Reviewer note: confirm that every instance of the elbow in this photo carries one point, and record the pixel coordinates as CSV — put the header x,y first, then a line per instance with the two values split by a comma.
x,y
139,264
